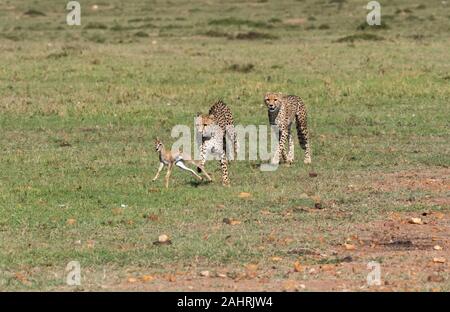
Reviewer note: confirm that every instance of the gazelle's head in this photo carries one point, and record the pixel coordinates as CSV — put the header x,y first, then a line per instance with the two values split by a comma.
x,y
158,145
273,101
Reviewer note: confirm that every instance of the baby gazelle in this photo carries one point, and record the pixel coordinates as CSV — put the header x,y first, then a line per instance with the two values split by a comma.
x,y
170,158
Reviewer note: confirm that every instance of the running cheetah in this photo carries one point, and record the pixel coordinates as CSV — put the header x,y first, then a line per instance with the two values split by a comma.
x,y
216,129
283,110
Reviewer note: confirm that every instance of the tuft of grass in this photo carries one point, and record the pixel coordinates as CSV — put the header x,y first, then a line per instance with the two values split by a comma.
x,y
11,36
360,37
324,26
254,35
364,26
274,20
118,27
34,12
97,38
250,35
141,34
135,20
403,11
95,25
217,34
232,21
241,68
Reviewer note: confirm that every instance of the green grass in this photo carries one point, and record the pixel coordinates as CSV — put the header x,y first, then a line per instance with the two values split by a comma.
x,y
133,71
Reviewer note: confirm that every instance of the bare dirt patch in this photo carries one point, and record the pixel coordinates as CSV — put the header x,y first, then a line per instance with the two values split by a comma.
x,y
412,257
434,180
435,183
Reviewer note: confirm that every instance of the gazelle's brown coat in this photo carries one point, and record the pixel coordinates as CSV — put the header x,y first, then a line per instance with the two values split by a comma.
x,y
176,158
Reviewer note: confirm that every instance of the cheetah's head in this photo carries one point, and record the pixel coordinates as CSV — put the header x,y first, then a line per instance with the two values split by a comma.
x,y
273,101
205,124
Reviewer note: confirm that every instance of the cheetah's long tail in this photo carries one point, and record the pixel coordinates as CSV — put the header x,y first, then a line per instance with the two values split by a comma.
x,y
231,134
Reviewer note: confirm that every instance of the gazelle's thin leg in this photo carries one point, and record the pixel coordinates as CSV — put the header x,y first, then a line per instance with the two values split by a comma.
x,y
169,171
161,166
200,168
180,164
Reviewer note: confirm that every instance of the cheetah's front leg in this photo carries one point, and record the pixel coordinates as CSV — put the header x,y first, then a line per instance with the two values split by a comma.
x,y
283,137
203,155
287,154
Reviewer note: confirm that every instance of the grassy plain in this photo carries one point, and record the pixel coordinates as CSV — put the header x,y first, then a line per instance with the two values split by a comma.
x,y
79,106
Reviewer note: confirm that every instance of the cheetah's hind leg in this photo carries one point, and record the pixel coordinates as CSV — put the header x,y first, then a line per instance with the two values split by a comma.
x,y
303,135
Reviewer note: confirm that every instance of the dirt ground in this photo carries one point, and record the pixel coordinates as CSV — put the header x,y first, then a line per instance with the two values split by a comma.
x,y
412,249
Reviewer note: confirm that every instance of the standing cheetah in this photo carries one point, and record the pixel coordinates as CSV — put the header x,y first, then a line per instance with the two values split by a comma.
x,y
216,128
283,110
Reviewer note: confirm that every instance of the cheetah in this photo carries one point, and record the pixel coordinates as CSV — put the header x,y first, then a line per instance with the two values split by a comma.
x,y
217,130
283,110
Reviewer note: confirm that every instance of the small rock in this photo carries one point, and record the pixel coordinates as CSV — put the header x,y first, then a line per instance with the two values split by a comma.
x,y
303,196
415,221
244,195
439,260
349,246
163,240
147,278
231,221
435,278
298,267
